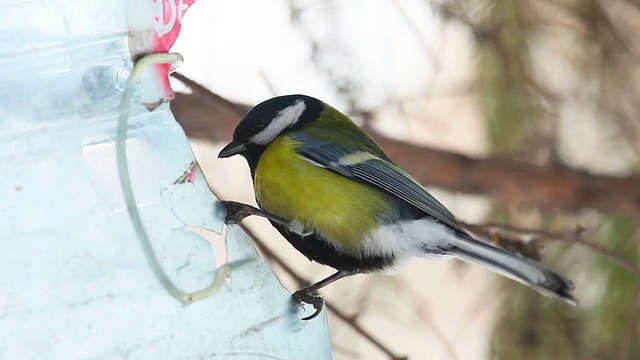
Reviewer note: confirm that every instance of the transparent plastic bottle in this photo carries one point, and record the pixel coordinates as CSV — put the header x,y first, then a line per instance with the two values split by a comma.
x,y
75,283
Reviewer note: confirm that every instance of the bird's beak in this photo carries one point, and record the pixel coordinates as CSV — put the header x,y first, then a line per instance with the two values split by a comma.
x,y
233,148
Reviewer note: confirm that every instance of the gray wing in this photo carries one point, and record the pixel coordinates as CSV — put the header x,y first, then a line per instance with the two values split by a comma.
x,y
375,170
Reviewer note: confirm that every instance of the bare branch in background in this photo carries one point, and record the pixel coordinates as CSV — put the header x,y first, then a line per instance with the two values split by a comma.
x,y
577,236
204,115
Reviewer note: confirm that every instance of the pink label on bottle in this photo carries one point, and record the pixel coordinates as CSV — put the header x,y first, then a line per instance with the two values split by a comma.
x,y
166,25
167,22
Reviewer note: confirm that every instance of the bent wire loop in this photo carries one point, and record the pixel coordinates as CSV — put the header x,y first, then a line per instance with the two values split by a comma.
x,y
125,183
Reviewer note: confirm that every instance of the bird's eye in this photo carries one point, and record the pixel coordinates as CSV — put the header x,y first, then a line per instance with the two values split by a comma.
x,y
261,123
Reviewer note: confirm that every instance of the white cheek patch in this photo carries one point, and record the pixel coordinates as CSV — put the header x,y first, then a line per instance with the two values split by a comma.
x,y
283,120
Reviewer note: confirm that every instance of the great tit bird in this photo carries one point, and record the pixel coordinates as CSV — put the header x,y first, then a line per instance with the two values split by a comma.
x,y
334,194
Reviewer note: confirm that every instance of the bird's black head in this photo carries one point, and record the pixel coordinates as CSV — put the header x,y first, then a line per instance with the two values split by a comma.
x,y
266,121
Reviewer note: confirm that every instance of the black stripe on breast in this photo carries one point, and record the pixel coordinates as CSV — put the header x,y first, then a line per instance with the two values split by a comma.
x,y
315,248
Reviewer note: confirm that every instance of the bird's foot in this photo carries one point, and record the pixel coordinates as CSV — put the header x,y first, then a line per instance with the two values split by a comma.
x,y
236,212
307,296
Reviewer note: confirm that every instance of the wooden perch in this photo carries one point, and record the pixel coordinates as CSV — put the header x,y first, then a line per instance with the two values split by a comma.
x,y
205,115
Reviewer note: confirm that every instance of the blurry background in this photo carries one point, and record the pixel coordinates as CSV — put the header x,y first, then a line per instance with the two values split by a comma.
x,y
522,117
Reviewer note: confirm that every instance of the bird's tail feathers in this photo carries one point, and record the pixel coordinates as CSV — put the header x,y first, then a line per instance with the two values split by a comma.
x,y
520,269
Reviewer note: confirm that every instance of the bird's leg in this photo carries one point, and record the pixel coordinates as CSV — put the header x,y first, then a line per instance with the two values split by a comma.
x,y
307,295
236,212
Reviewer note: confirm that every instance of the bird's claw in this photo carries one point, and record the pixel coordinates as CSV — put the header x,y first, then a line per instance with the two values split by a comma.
x,y
236,212
308,297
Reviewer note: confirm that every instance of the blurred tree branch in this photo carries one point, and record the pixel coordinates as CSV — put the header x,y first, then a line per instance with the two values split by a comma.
x,y
205,115
530,249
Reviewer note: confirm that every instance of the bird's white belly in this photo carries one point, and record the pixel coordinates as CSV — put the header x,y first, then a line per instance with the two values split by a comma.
x,y
407,240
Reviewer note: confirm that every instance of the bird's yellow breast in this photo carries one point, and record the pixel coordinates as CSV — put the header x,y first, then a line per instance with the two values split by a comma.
x,y
337,208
